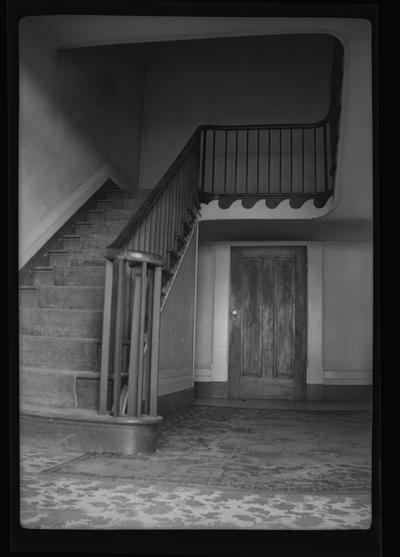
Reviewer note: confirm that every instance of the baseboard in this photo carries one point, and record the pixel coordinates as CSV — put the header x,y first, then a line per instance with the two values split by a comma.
x,y
174,401
211,389
359,393
57,218
356,393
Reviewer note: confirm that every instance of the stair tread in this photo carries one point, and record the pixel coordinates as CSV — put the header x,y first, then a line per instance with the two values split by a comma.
x,y
69,286
92,339
80,373
53,309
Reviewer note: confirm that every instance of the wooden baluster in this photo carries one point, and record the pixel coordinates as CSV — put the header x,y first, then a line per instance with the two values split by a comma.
x,y
134,349
141,338
236,159
269,161
258,161
302,159
226,159
315,160
152,228
147,356
291,160
325,161
118,337
280,160
135,241
203,161
173,212
247,159
165,225
161,202
155,342
106,337
213,164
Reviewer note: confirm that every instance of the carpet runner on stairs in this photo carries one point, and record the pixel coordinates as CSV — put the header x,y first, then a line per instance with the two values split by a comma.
x,y
61,306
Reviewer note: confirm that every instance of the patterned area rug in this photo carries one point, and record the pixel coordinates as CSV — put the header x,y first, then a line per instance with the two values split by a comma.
x,y
251,450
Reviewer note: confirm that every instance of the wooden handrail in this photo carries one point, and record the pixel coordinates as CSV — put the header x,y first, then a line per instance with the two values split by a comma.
x,y
150,201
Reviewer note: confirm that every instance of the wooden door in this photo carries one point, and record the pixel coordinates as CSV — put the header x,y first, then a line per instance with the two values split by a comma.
x,y
268,323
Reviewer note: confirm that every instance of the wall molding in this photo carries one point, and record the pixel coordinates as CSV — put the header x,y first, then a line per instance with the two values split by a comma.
x,y
348,377
41,233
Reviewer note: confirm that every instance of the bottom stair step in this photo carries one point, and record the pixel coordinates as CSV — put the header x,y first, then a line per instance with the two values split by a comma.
x,y
86,430
59,388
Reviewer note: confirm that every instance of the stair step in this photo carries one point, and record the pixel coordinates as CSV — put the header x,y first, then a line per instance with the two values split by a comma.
x,y
113,228
59,352
59,388
58,257
82,430
70,297
115,194
61,322
90,256
96,241
112,215
104,204
83,227
72,242
80,275
28,296
43,275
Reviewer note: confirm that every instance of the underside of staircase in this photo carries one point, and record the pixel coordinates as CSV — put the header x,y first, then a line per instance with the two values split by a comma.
x,y
61,310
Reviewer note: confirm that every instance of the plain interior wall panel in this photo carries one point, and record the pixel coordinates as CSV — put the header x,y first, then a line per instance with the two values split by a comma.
x,y
177,328
347,306
79,109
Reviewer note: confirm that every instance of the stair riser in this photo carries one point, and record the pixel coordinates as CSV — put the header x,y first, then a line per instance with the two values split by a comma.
x,y
48,388
59,353
80,275
122,203
28,298
61,322
81,229
116,215
58,259
70,298
99,242
112,228
60,389
44,277
72,243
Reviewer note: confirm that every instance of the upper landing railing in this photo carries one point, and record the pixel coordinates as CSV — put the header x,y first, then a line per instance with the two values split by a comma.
x,y
274,161
270,162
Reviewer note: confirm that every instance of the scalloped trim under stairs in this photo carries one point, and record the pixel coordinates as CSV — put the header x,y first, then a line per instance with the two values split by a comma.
x,y
61,310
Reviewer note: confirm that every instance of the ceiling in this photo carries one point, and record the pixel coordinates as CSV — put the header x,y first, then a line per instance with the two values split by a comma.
x,y
73,31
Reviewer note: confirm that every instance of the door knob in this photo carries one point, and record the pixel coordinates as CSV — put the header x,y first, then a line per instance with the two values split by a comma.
x,y
234,312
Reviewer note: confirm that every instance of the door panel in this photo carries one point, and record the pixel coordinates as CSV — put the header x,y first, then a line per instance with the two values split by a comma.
x,y
267,352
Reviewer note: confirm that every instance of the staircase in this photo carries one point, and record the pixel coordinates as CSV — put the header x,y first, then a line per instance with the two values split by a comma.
x,y
61,311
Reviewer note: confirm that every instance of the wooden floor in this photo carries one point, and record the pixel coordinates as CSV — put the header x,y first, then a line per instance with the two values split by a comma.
x,y
282,404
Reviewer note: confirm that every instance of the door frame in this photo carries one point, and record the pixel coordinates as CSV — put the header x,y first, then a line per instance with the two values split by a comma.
x,y
218,371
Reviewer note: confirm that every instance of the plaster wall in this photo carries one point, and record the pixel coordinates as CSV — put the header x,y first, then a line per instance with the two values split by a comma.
x,y
79,110
249,80
339,334
177,324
